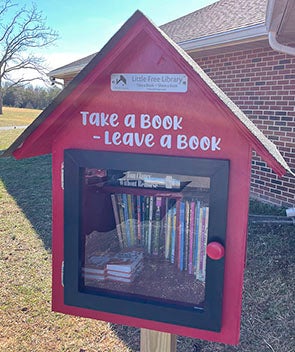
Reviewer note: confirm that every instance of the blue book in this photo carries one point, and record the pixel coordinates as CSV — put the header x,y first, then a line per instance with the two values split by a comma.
x,y
173,234
126,218
182,234
150,226
196,236
146,221
167,228
138,217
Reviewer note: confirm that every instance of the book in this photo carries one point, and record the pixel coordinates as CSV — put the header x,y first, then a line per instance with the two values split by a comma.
x,y
131,219
94,273
121,278
134,272
93,277
95,176
173,234
177,233
97,260
168,219
186,238
204,217
157,227
181,235
117,220
95,267
126,217
196,235
139,218
146,220
191,236
121,218
200,243
150,225
125,261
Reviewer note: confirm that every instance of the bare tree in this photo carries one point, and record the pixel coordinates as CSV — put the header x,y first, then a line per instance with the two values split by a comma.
x,y
22,31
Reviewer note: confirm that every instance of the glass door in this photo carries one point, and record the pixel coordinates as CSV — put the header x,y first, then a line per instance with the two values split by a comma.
x,y
136,234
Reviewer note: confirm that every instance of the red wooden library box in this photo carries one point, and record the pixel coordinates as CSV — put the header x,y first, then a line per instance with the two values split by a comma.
x,y
151,166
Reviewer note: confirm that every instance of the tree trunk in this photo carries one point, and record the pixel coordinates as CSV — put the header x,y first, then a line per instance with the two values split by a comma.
x,y
1,99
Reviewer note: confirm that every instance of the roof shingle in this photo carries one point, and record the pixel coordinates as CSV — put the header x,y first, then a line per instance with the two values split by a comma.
x,y
219,17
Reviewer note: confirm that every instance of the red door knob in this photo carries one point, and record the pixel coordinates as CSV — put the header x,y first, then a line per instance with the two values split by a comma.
x,y
215,250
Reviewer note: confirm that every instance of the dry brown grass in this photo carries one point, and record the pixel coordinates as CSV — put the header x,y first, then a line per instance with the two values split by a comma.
x,y
17,117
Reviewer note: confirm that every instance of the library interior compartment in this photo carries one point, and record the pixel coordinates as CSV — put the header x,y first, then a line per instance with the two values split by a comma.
x,y
142,237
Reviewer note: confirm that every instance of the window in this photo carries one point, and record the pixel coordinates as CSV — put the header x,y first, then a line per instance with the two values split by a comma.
x,y
136,231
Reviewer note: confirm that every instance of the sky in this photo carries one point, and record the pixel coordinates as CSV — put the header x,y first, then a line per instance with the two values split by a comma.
x,y
84,27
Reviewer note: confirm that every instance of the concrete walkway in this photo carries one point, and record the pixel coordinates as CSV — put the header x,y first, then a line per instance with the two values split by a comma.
x,y
11,128
270,219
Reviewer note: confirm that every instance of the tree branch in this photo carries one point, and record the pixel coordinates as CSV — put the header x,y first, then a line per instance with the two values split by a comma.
x,y
22,30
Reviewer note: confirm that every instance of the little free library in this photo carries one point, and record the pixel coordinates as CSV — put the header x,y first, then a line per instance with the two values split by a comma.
x,y
151,167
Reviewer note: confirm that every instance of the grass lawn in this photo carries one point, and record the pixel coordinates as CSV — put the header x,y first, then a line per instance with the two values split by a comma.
x,y
17,117
6,137
27,323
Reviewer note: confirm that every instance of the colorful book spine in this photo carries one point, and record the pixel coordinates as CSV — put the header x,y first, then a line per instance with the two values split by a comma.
x,y
168,230
117,220
196,235
201,273
173,234
177,233
186,238
122,218
130,219
126,217
157,230
200,244
146,220
191,236
150,225
138,216
182,235
166,235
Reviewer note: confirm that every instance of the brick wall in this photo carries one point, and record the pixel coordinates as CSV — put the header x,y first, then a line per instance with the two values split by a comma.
x,y
262,83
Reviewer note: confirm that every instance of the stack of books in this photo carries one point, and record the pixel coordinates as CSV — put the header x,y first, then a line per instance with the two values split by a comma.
x,y
95,267
124,266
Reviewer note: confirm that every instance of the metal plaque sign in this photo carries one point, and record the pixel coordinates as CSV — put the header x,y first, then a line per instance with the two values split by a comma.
x,y
149,82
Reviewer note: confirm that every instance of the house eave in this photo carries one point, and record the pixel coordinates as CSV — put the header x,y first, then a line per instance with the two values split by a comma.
x,y
61,73
230,38
233,37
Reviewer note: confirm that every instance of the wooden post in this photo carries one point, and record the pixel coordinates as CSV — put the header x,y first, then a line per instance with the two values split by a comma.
x,y
155,341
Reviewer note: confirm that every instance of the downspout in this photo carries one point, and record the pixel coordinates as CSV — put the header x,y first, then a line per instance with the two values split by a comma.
x,y
272,38
273,42
273,25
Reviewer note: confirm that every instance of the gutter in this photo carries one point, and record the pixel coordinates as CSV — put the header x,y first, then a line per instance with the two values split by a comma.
x,y
236,36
